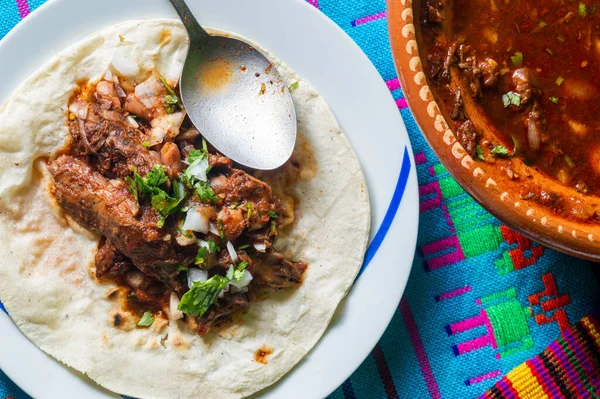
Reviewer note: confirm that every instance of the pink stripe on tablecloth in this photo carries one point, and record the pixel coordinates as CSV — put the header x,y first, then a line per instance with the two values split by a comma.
x,y
417,344
420,158
23,6
401,103
454,293
314,3
393,84
366,20
484,377
384,372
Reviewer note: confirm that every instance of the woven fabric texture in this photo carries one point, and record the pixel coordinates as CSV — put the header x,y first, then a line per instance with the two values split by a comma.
x,y
481,299
567,368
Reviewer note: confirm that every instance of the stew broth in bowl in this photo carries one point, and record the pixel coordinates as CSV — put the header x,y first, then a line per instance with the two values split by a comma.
x,y
528,74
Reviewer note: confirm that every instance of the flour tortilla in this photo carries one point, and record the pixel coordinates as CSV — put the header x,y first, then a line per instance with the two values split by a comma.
x,y
46,263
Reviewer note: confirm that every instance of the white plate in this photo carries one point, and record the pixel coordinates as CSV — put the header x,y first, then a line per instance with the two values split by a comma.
x,y
324,55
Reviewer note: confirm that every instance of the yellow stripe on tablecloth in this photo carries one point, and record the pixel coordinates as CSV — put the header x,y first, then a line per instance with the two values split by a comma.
x,y
525,383
592,329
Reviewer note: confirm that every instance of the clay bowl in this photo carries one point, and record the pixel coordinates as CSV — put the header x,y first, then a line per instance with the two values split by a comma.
x,y
487,183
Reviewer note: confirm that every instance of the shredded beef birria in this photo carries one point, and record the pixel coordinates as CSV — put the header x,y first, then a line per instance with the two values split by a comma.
x,y
174,215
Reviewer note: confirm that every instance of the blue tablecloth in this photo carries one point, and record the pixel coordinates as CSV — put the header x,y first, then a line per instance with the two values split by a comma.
x,y
481,298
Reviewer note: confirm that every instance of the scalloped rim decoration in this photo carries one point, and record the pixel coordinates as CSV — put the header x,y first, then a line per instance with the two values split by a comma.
x,y
415,73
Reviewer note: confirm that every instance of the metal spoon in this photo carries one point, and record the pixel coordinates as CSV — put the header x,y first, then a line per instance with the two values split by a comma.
x,y
236,98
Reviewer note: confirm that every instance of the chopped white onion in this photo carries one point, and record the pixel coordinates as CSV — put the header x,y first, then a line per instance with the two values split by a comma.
x,y
164,125
223,291
232,254
198,169
157,135
82,129
79,109
185,238
108,75
196,221
124,65
533,134
196,275
203,244
213,229
260,247
106,89
150,92
135,279
175,313
132,122
240,285
235,290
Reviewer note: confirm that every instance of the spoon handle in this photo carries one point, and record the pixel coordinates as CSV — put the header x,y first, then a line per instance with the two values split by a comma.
x,y
195,31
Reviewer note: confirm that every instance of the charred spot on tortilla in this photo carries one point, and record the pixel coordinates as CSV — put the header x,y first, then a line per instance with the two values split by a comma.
x,y
184,232
262,355
165,37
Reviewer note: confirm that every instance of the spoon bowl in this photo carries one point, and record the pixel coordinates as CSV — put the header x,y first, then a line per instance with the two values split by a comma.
x,y
236,98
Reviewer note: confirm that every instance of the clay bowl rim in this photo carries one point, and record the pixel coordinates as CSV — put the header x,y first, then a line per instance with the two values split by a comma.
x,y
528,218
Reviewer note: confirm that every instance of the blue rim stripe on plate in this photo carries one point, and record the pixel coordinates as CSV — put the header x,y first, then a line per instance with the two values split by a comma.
x,y
390,214
2,308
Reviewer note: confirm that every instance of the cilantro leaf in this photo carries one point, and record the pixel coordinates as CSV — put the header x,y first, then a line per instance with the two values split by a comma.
x,y
190,177
293,86
582,10
165,205
499,150
149,188
239,271
479,152
182,268
146,187
273,215
502,152
511,98
195,155
213,247
202,295
517,59
201,256
133,188
171,101
221,228
146,320
178,189
205,192
157,176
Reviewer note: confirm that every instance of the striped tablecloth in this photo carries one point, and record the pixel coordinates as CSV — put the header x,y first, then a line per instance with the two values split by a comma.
x,y
482,300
